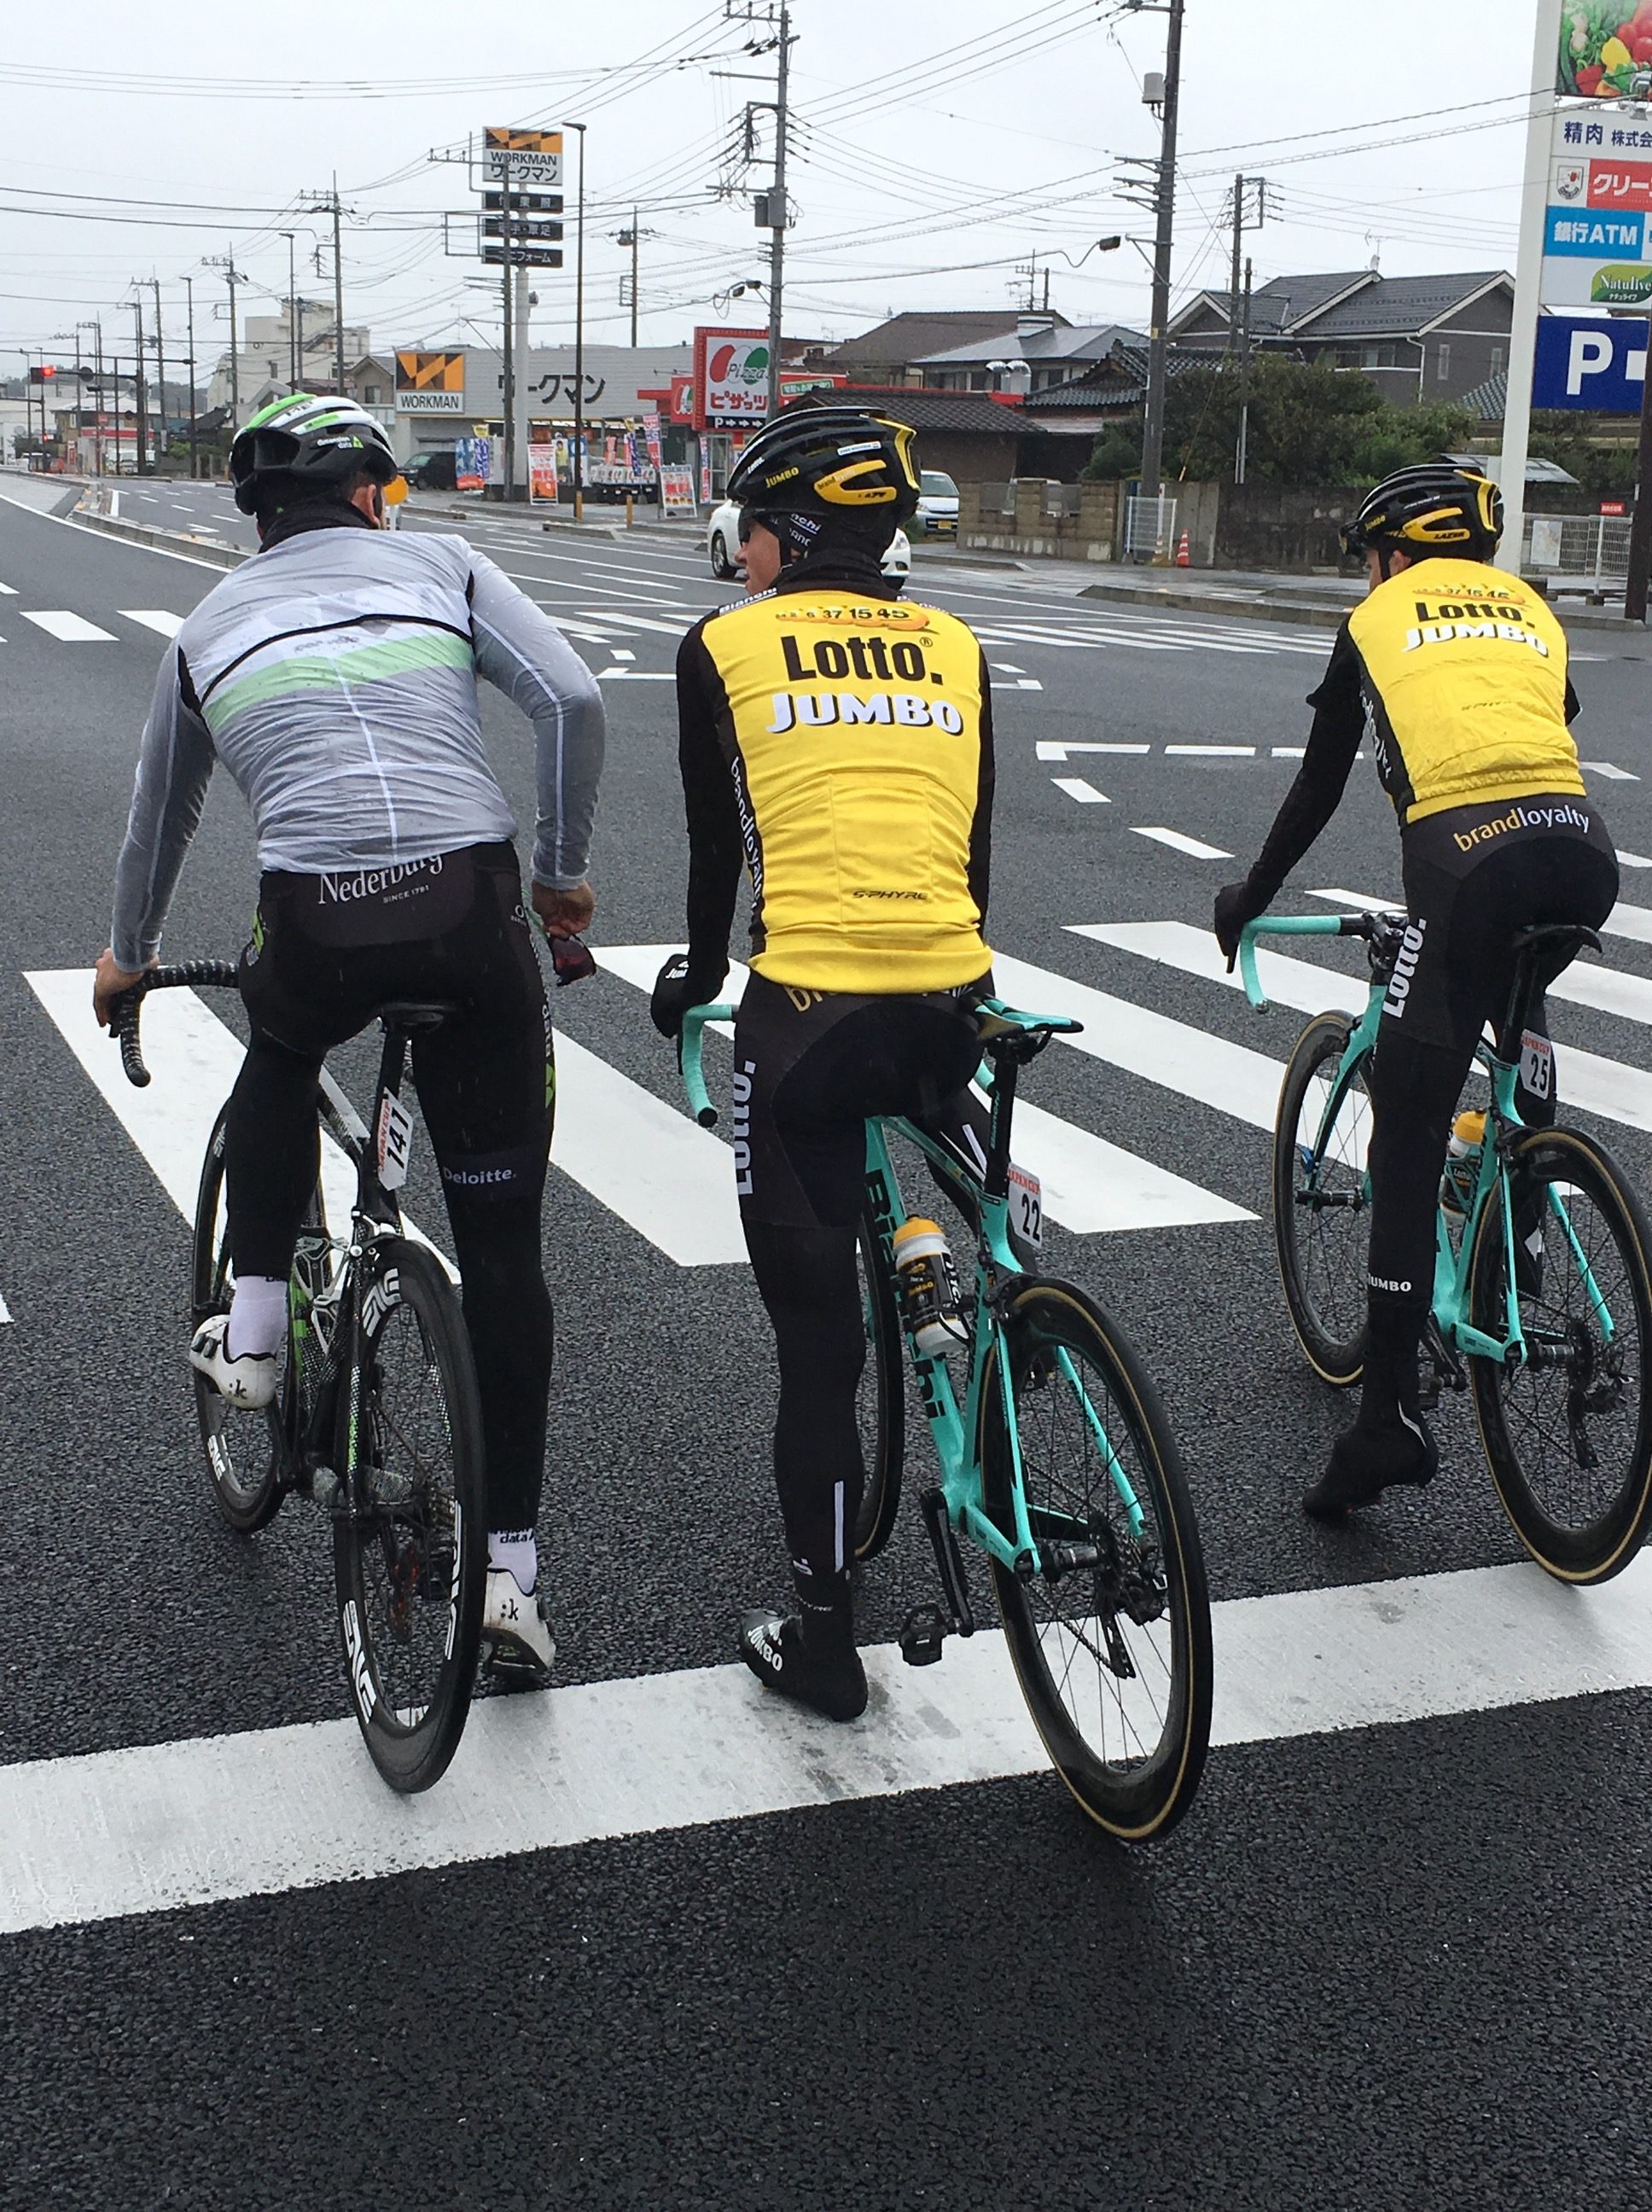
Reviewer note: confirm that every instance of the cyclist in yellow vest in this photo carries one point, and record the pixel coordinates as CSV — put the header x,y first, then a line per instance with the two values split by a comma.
x,y
837,740
1453,673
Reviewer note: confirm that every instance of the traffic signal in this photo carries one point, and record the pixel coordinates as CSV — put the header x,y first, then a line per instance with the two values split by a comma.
x,y
38,375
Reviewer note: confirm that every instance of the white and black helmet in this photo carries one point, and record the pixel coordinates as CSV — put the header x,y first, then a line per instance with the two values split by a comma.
x,y
307,440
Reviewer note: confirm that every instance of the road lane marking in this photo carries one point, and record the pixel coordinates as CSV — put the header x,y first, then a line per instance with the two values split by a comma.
x,y
1586,1081
1008,668
1610,770
1194,849
1633,922
168,1826
1090,1186
156,618
1632,859
68,629
1230,1078
1049,750
8,590
615,675
193,1062
1215,752
1085,793
5,1312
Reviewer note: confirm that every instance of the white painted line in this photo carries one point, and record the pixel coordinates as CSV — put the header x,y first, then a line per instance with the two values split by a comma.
x,y
1610,770
5,1312
193,1062
1288,752
1631,921
620,652
156,618
1076,788
8,590
1192,846
1632,859
636,676
1586,1081
1228,1078
1008,668
1361,901
672,1181
674,629
1090,1186
162,1828
68,629
1049,750
1215,752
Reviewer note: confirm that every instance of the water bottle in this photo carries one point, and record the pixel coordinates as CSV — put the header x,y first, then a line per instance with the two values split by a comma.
x,y
1462,1164
929,1287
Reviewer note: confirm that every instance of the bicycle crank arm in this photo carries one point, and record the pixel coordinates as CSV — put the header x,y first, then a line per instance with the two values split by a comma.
x,y
948,1560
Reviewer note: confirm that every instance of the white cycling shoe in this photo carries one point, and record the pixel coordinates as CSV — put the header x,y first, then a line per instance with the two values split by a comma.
x,y
515,1632
249,1383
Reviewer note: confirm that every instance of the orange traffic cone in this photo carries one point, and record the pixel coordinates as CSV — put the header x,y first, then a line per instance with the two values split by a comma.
x,y
1184,555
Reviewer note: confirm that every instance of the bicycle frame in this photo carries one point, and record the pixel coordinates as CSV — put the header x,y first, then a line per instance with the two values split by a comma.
x,y
1504,1126
954,1427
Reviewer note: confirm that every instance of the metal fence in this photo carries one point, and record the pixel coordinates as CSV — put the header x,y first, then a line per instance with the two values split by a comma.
x,y
1149,527
1592,546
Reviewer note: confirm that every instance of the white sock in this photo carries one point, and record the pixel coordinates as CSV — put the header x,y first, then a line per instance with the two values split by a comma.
x,y
515,1548
257,1316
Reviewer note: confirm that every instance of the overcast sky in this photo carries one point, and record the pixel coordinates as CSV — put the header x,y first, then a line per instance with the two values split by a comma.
x,y
936,144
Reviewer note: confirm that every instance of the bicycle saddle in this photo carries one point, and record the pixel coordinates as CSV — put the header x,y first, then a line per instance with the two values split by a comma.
x,y
410,1014
1560,941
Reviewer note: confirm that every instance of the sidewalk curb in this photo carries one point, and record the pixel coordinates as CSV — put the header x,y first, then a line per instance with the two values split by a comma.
x,y
1312,614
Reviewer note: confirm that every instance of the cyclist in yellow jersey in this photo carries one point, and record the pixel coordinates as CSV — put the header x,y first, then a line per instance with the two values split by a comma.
x,y
1454,674
837,740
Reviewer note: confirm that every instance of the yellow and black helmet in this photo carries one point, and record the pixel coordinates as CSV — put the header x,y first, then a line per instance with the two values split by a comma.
x,y
1441,506
835,462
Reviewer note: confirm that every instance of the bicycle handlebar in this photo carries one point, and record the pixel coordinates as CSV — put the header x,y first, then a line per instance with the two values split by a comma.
x,y
123,1011
1303,925
689,1046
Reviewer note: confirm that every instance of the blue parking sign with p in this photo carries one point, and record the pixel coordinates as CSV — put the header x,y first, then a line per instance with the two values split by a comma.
x,y
1585,362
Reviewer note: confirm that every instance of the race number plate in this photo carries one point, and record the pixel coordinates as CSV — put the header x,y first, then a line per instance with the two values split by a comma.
x,y
395,1141
1026,1196
1537,1064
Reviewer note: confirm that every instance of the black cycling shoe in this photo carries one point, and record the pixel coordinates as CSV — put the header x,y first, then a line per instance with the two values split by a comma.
x,y
1366,1462
832,1683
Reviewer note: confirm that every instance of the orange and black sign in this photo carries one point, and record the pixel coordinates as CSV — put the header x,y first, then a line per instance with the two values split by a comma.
x,y
430,383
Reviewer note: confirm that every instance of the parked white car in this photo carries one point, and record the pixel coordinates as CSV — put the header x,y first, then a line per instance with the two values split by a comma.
x,y
937,504
723,543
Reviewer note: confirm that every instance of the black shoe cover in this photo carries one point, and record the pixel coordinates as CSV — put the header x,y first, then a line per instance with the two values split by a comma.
x,y
777,1654
1365,1462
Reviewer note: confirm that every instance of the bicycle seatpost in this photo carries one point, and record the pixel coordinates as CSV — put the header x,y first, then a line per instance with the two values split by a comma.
x,y
1005,1074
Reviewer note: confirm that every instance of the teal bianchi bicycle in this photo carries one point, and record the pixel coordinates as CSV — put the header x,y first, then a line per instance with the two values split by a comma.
x,y
1542,1304
1056,1462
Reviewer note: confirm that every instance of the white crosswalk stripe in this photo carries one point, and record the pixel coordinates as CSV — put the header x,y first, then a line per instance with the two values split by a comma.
x,y
67,628
161,619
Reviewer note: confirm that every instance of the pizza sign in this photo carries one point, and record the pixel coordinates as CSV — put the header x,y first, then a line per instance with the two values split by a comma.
x,y
730,379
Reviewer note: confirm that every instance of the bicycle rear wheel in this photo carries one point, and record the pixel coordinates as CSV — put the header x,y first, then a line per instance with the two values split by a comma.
x,y
1322,1198
1111,1639
1568,1430
409,1529
880,1403
245,1452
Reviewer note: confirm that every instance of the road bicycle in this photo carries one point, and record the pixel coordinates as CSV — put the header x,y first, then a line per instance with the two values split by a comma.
x,y
377,1419
1056,1460
1542,1304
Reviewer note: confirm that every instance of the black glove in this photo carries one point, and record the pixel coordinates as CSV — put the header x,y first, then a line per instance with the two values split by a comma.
x,y
681,983
1236,905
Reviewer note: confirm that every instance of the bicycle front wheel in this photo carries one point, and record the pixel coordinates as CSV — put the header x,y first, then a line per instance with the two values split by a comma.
x,y
880,1405
1322,1198
1111,1637
409,1529
244,1451
1567,1431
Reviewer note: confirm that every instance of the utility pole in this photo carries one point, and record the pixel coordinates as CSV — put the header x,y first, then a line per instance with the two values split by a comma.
x,y
232,277
507,284
142,412
160,380
578,337
337,288
1152,443
189,294
292,312
1241,450
632,239
779,213
1233,281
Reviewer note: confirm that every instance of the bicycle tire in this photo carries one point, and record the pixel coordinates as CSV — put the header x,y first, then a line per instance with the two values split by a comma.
x,y
1594,1528
1138,1794
882,1400
409,1527
245,1452
1323,1269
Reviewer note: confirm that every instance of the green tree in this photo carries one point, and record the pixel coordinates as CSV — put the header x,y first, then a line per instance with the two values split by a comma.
x,y
1574,441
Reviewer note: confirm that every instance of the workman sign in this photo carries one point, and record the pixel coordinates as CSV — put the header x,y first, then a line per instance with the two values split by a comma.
x,y
530,158
429,383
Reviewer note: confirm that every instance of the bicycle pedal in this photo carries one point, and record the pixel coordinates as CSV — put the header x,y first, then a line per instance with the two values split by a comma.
x,y
1428,1391
922,1634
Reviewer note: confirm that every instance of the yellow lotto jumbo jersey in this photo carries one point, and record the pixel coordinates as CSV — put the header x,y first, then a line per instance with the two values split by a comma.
x,y
853,728
1463,668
